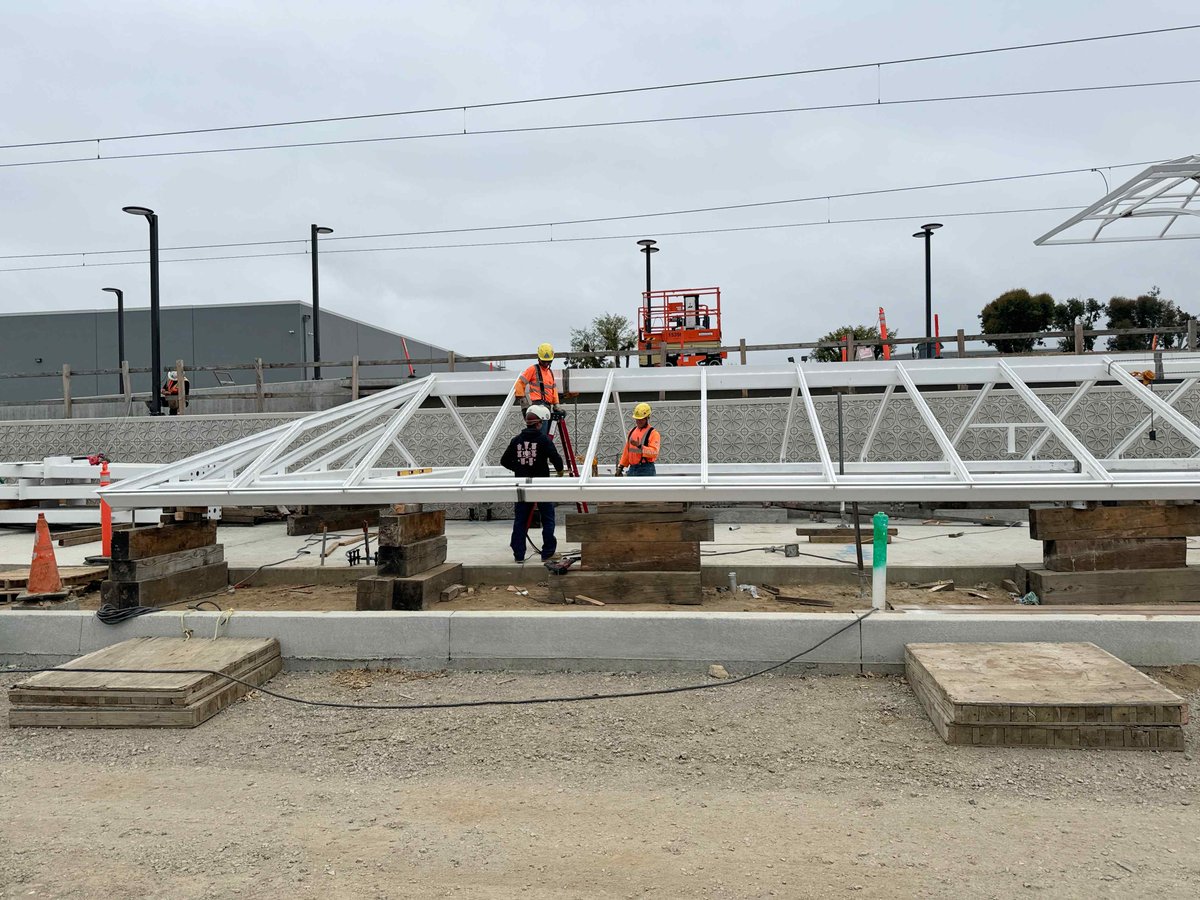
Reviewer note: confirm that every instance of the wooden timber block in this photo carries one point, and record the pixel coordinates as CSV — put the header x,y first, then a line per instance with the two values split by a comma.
x,y
1115,586
168,588
867,529
629,587
125,570
635,556
636,507
398,530
156,540
412,593
1108,522
62,698
1042,695
412,559
334,518
839,538
1115,553
688,525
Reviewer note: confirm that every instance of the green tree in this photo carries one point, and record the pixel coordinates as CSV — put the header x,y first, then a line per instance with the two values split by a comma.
x,y
861,333
1017,312
1066,314
606,332
1149,310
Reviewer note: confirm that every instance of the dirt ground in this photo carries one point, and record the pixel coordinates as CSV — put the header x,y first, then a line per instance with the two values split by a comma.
x,y
777,787
842,597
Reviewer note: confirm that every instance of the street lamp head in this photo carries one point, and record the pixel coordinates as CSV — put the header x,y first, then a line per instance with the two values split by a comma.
x,y
138,210
646,242
932,226
321,229
112,290
649,250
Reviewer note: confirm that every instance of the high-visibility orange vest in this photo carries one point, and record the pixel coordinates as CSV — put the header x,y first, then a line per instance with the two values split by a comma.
x,y
537,385
172,387
640,446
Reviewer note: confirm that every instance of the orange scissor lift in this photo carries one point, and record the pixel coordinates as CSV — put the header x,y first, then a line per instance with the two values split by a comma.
x,y
687,323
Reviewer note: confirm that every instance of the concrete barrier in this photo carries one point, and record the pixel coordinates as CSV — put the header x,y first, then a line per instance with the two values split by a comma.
x,y
601,640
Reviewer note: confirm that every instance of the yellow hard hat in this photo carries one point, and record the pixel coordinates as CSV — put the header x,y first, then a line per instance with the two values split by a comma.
x,y
545,352
641,411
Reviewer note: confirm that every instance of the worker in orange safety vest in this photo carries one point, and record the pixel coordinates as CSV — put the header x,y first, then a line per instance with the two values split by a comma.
x,y
536,385
641,445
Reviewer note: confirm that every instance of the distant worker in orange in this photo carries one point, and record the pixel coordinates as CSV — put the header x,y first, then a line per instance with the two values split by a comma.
x,y
641,445
536,386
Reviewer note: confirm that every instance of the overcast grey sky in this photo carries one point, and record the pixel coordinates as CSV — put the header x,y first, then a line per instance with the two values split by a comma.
x,y
83,69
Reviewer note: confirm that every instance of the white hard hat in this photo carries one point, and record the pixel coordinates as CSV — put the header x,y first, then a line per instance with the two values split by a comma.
x,y
172,374
540,411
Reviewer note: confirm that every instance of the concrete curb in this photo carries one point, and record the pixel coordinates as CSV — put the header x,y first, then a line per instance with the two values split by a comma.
x,y
600,640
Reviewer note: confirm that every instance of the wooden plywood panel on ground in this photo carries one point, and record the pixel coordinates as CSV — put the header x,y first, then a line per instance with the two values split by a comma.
x,y
1042,695
175,682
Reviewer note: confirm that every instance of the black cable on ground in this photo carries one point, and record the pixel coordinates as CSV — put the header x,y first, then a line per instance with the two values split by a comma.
x,y
461,704
775,548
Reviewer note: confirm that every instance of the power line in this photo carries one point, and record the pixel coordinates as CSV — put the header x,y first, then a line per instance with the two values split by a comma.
x,y
607,93
657,120
569,240
598,219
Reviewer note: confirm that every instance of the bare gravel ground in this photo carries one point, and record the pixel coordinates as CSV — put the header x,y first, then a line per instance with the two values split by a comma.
x,y
780,787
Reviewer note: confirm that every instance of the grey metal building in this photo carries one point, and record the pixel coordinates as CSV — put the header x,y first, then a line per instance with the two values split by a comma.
x,y
277,331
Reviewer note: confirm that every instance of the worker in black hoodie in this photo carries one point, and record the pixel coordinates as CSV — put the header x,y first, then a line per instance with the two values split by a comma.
x,y
529,455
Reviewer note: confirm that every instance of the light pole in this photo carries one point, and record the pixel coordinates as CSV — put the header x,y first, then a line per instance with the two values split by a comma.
x,y
648,247
155,332
316,301
120,333
926,232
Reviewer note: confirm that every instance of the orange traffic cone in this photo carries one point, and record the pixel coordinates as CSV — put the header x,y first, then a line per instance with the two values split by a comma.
x,y
44,580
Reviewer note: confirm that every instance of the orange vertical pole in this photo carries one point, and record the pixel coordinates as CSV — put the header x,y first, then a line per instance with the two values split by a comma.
x,y
105,514
887,348
937,344
843,348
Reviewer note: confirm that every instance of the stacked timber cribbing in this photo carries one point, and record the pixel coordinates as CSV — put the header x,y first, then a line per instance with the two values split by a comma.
x,y
1042,695
412,567
62,698
314,519
162,564
637,553
1117,553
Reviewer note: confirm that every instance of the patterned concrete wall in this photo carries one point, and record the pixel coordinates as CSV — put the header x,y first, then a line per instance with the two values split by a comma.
x,y
740,430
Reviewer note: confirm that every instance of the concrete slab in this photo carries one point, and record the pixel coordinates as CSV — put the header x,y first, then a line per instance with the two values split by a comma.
x,y
42,632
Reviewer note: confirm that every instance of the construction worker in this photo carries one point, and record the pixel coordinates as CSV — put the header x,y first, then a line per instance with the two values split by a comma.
x,y
641,445
536,385
174,393
529,455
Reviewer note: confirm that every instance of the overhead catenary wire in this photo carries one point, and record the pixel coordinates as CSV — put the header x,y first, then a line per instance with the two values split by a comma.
x,y
460,704
572,240
613,123
554,98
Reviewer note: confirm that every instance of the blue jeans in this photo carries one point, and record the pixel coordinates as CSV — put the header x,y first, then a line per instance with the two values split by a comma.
x,y
642,468
521,514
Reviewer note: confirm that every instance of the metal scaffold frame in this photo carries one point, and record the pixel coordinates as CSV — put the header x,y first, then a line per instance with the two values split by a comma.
x,y
335,456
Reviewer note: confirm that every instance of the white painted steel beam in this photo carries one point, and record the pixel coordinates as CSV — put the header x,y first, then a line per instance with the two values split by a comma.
x,y
301,463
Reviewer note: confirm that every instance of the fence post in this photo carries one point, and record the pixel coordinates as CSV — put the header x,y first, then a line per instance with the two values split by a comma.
x,y
181,384
66,376
961,337
354,378
260,400
126,386
742,354
449,360
1191,337
1079,344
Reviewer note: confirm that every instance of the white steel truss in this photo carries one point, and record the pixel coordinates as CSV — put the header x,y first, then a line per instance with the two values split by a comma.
x,y
338,456
1156,205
